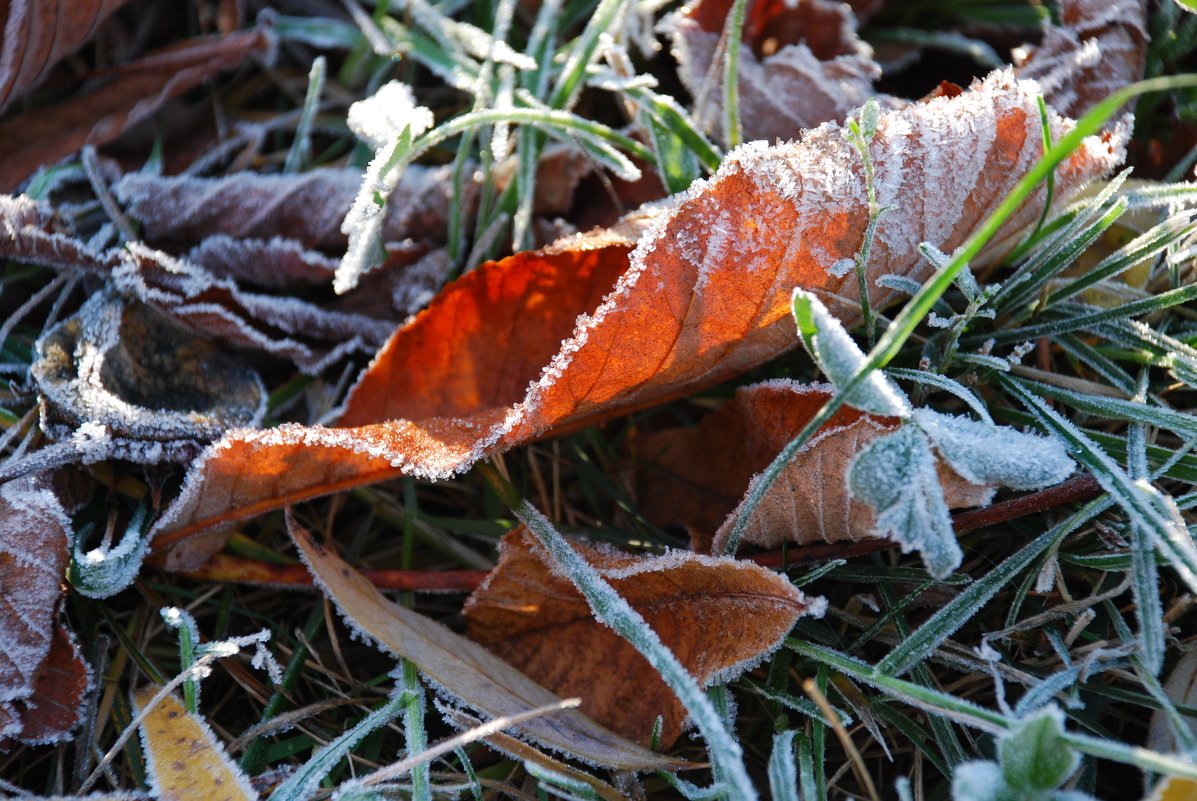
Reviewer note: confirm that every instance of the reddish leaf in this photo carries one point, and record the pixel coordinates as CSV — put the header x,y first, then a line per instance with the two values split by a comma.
x,y
131,93
705,295
38,33
42,677
801,64
1100,47
56,705
699,474
718,616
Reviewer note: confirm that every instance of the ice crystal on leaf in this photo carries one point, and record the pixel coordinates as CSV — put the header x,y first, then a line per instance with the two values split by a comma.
x,y
896,476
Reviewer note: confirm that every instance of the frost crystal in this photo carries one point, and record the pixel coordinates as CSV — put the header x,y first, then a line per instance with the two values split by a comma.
x,y
987,455
896,475
840,358
379,119
386,121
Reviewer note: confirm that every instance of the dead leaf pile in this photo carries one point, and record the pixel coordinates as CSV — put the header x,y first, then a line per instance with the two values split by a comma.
x,y
701,295
675,297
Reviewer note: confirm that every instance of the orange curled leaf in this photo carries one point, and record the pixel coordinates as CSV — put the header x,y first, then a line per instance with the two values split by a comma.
x,y
131,93
718,616
548,341
698,475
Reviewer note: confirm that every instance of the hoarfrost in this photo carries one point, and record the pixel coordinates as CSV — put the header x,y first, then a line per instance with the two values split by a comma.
x,y
896,475
102,572
380,119
386,120
987,455
840,358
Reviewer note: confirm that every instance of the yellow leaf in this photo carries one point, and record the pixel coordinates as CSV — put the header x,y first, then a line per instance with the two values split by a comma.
x,y
184,758
1174,788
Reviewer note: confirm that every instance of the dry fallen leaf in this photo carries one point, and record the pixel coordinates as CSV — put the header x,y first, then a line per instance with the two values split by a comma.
x,y
149,388
1099,47
801,64
1173,788
698,475
37,34
43,679
467,670
718,616
130,93
552,340
184,759
307,208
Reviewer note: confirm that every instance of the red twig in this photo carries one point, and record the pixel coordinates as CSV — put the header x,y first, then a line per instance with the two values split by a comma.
x,y
223,567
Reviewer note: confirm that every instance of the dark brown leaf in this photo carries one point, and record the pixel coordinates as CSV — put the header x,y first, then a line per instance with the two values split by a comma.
x,y
128,94
42,678
801,64
38,33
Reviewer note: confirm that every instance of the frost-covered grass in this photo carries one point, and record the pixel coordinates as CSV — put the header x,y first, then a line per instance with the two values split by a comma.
x,y
1030,658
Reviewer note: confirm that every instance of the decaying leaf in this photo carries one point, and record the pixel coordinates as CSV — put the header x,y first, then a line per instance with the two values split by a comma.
x,y
718,616
698,475
308,335
1099,47
184,759
131,93
38,34
306,208
151,389
465,669
801,64
42,676
552,340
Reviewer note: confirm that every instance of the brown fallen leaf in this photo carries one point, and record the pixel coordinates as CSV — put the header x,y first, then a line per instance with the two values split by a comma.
x,y
42,677
718,616
307,208
465,669
552,340
1099,47
184,759
698,475
310,336
37,34
801,64
127,95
